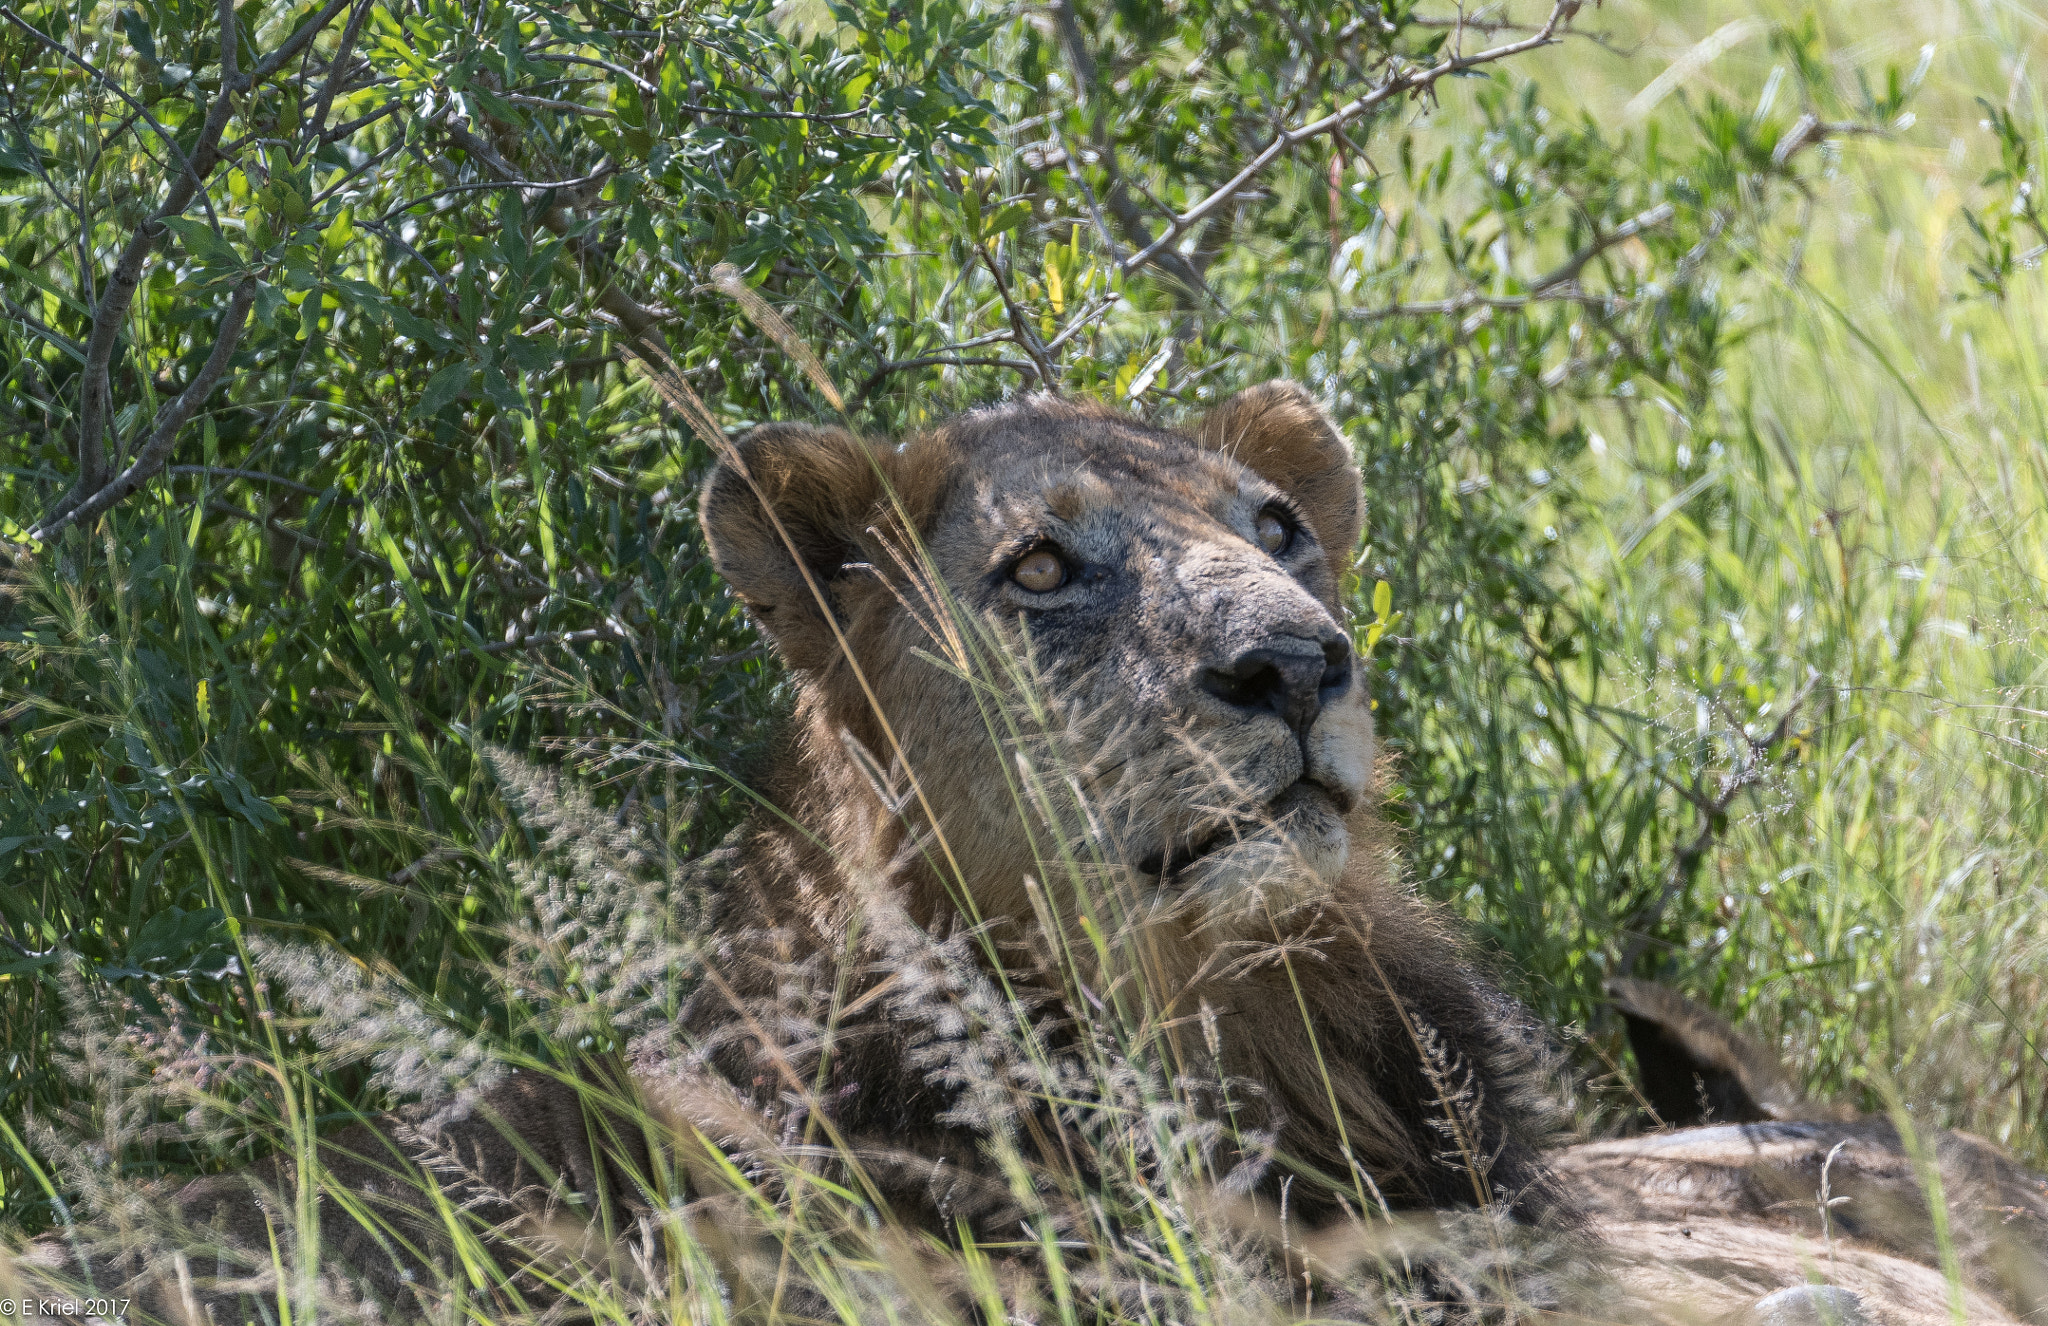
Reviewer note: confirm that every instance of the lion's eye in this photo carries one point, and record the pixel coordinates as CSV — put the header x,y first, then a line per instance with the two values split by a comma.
x,y
1275,532
1040,571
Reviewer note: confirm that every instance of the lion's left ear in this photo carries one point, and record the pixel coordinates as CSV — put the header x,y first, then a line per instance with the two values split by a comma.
x,y
785,511
1278,431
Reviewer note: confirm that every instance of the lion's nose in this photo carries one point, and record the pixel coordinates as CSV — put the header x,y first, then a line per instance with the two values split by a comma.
x,y
1293,681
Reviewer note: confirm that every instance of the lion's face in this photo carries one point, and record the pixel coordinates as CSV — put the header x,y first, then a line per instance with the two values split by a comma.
x,y
1177,598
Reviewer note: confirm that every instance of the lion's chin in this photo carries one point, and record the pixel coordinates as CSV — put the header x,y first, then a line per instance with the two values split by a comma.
x,y
1295,855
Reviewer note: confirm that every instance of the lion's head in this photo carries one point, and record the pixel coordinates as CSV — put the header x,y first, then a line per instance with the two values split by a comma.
x,y
1177,593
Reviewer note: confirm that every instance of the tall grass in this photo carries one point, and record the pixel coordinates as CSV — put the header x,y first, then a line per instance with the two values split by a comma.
x,y
1857,514
1138,1208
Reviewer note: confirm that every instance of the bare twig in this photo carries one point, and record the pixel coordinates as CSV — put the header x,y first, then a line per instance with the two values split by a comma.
x,y
555,103
316,123
156,449
1809,129
295,43
1627,230
434,272
601,174
1488,27
1396,84
1027,340
642,325
814,117
350,548
549,638
112,309
230,56
1470,300
595,63
185,163
1129,215
1109,244
1558,285
1083,319
254,476
726,279
341,131
48,333
368,165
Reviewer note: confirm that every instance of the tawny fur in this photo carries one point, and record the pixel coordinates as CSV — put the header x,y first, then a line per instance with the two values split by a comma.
x,y
1286,967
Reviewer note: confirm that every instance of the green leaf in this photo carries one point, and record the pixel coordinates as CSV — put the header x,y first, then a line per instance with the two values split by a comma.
x,y
443,388
498,107
1007,217
203,242
174,932
139,35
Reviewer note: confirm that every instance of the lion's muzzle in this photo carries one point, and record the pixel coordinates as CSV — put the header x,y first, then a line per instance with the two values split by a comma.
x,y
1294,848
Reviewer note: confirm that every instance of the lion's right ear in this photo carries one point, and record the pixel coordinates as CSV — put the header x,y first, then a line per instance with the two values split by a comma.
x,y
1278,430
784,513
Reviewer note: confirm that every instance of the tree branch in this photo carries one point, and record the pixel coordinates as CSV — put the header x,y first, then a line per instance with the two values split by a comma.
x,y
547,638
112,309
230,57
1130,217
150,457
317,122
1627,230
36,325
1414,80
1025,338
640,322
293,44
256,476
1712,812
1557,286
99,76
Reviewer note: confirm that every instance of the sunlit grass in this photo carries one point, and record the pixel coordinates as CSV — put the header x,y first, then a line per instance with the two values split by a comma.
x,y
1864,503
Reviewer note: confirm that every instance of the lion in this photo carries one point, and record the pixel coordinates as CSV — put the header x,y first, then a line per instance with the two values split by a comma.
x,y
1178,596
1751,1202
1175,597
